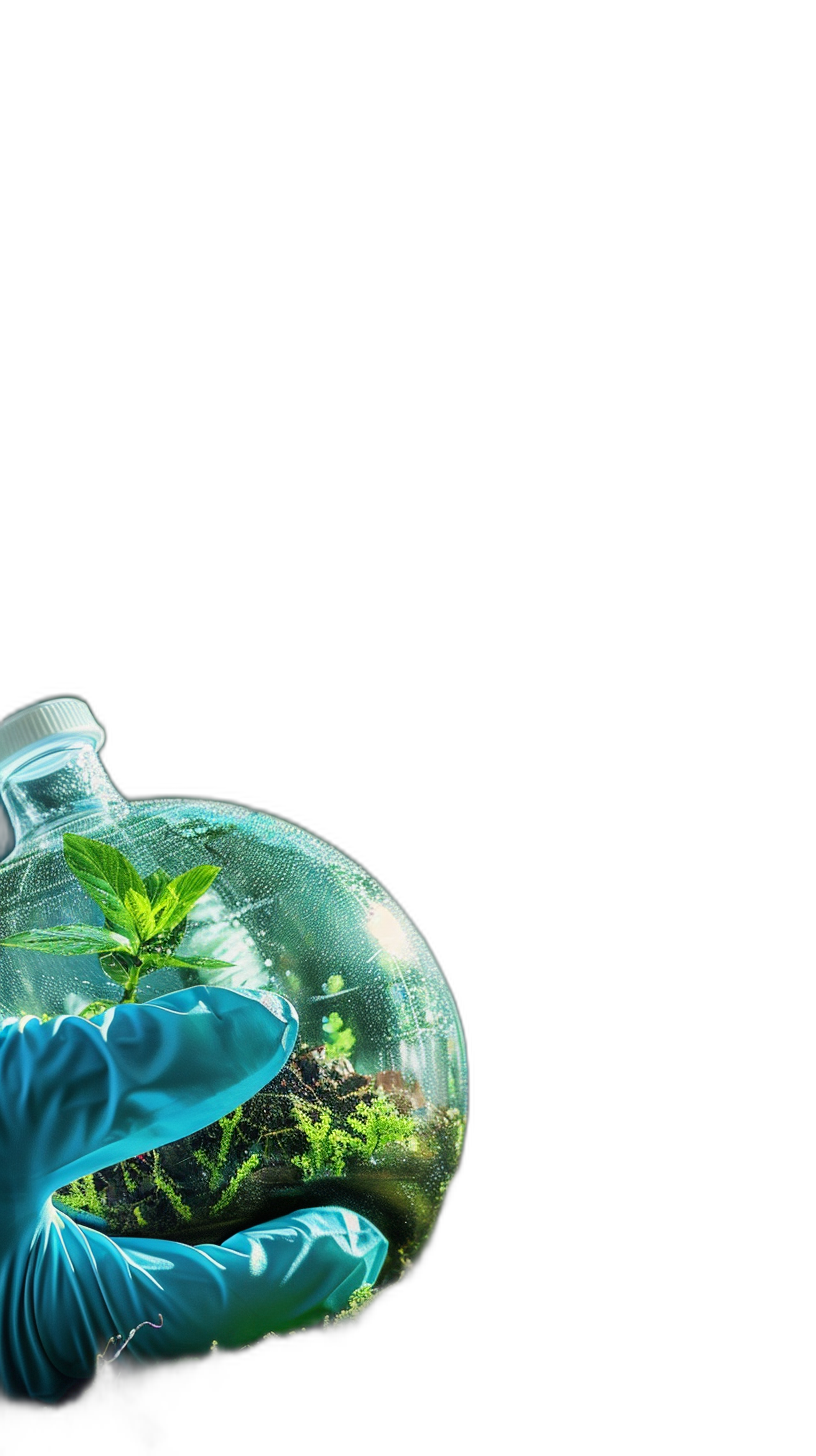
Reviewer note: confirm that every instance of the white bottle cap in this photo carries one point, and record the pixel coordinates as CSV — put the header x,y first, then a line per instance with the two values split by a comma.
x,y
50,719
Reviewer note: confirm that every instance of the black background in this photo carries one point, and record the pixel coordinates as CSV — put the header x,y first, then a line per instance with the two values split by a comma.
x,y
378,741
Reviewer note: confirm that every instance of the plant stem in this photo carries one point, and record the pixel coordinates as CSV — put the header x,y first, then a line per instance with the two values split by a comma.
x,y
129,993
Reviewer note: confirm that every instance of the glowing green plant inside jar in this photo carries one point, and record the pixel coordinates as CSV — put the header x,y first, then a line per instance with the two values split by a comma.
x,y
145,920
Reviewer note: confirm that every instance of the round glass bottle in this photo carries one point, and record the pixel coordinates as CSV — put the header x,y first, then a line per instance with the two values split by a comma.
x,y
370,1110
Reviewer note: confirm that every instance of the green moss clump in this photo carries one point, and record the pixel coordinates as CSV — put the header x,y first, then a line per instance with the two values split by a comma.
x,y
371,1126
84,1196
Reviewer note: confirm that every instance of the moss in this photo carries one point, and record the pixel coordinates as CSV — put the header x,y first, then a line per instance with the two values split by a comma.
x,y
168,1188
214,1166
320,1134
326,1145
239,1176
85,1197
331,1145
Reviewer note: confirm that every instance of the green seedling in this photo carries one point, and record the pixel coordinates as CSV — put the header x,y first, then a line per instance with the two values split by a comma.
x,y
145,920
339,1039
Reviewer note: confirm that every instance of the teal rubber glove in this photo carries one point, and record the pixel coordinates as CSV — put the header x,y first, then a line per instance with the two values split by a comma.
x,y
76,1096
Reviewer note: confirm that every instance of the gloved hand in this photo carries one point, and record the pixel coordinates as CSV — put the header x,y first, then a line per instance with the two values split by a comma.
x,y
76,1096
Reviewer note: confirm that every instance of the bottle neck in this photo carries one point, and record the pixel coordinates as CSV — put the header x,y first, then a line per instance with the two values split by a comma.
x,y
51,783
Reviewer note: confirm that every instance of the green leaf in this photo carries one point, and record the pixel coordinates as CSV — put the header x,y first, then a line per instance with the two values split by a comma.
x,y
122,921
106,876
68,940
138,906
164,910
118,967
166,943
180,895
155,883
102,865
184,963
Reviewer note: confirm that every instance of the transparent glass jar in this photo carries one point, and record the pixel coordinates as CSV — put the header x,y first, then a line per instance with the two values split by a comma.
x,y
370,1110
